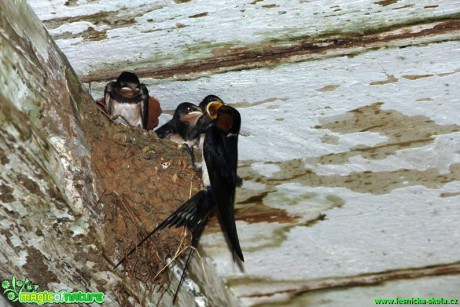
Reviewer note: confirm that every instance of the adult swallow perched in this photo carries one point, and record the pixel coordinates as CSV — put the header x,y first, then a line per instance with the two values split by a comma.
x,y
127,101
209,105
220,124
220,151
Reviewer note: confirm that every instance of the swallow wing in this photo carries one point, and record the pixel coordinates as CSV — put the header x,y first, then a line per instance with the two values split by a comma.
x,y
107,99
166,130
193,214
144,106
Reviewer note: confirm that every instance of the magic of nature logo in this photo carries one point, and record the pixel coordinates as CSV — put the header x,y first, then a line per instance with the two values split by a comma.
x,y
25,291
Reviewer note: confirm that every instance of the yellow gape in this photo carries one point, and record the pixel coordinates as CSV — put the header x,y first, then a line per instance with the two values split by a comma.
x,y
212,108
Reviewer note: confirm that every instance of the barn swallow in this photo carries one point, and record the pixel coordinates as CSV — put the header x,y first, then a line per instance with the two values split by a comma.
x,y
220,151
220,124
209,105
127,100
186,126
181,128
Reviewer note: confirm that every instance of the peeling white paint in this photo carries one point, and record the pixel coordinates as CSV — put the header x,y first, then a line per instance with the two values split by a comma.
x,y
22,258
265,169
15,240
17,206
422,158
79,227
196,38
77,27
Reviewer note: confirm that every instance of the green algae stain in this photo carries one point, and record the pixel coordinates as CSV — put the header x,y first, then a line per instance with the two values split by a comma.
x,y
402,131
273,239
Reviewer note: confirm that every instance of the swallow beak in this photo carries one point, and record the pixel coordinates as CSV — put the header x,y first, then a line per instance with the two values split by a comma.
x,y
192,117
196,113
212,108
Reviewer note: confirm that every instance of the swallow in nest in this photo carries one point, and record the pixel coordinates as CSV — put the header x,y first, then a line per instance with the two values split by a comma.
x,y
185,127
127,101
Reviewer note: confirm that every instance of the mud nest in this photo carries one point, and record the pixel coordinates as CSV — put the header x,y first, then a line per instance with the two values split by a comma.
x,y
144,179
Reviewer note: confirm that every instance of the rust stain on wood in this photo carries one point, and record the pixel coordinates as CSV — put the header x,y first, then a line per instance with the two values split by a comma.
x,y
390,79
199,15
404,7
329,88
257,212
288,50
451,194
321,217
386,2
372,279
108,18
270,6
415,77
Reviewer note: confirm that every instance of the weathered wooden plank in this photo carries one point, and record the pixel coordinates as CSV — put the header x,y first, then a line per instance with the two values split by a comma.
x,y
350,164
46,180
432,290
167,38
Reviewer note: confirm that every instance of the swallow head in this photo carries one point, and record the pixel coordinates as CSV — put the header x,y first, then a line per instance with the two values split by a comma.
x,y
127,100
128,79
188,112
213,107
128,84
207,100
228,120
224,117
210,105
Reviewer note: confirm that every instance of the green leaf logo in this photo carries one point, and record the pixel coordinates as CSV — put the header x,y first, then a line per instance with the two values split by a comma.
x,y
12,289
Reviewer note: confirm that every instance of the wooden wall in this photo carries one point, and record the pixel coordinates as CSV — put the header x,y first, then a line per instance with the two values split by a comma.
x,y
350,146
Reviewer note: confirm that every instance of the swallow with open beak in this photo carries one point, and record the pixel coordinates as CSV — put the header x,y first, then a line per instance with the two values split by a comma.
x,y
187,123
127,101
220,125
220,151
